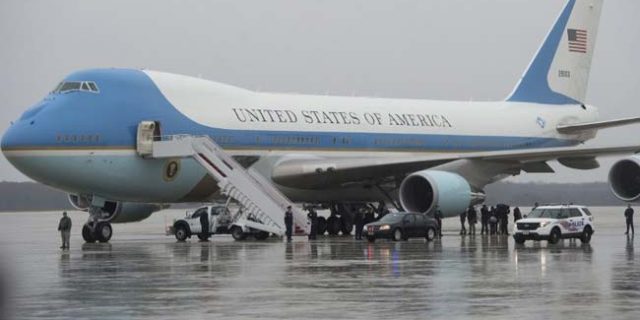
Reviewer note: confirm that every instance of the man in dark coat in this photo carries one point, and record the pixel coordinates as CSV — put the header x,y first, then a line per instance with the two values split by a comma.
x,y
438,217
64,226
493,220
288,222
517,215
484,219
463,217
472,217
628,214
313,218
359,222
204,224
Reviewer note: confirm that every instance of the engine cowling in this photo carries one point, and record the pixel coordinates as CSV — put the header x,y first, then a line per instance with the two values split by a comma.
x,y
624,179
422,191
116,211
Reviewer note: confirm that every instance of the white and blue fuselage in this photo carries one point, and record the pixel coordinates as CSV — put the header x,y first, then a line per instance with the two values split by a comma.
x,y
82,137
82,140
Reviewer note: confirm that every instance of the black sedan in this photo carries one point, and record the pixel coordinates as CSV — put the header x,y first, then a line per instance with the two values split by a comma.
x,y
402,226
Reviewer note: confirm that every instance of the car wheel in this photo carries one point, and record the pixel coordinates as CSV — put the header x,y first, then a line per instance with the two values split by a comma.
x,y
371,239
397,235
238,234
586,235
181,232
261,235
431,234
519,240
554,236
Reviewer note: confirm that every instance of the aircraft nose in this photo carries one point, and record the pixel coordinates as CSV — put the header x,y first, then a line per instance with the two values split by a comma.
x,y
8,140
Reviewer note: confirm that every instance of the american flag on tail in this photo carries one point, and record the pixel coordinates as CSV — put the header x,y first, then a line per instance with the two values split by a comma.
x,y
577,40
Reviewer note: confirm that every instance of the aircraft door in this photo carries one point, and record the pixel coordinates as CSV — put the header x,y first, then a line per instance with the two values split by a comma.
x,y
148,132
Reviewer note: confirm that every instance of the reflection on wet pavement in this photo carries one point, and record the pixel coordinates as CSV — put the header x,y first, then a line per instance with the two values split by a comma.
x,y
155,277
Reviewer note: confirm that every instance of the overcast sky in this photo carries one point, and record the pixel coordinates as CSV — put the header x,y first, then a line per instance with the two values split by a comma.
x,y
432,49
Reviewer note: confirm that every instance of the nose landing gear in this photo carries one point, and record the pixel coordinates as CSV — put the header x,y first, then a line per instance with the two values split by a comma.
x,y
96,229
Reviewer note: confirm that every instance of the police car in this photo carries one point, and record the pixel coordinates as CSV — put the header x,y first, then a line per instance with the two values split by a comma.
x,y
555,222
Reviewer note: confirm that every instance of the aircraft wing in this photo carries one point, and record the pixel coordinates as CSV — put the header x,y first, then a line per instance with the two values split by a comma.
x,y
325,172
577,127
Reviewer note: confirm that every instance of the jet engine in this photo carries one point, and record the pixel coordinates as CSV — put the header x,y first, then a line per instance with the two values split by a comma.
x,y
116,211
422,191
624,179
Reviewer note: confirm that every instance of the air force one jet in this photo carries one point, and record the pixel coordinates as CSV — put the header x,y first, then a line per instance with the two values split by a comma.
x,y
418,154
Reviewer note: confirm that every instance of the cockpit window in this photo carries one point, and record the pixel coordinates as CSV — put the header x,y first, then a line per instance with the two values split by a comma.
x,y
68,86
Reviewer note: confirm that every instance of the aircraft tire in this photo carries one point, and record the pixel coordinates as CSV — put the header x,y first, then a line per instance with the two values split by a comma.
x,y
87,234
322,225
103,231
346,225
333,225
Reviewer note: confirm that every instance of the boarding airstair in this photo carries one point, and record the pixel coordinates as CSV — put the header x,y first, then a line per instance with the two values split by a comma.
x,y
263,205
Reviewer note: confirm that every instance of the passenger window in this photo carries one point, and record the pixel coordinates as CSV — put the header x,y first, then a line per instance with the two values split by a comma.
x,y
563,214
199,212
419,218
575,212
408,219
587,211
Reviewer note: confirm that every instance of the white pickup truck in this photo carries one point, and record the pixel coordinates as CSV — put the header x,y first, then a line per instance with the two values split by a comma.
x,y
220,221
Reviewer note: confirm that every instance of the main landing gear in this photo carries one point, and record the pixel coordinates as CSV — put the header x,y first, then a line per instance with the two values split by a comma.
x,y
96,229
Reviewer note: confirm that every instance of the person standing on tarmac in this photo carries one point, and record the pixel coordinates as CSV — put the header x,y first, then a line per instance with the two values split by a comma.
x,y
204,224
472,217
493,221
288,222
463,217
517,215
64,226
313,217
438,217
628,214
484,219
359,222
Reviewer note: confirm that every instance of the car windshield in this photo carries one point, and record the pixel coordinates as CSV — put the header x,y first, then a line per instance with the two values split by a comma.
x,y
553,213
392,217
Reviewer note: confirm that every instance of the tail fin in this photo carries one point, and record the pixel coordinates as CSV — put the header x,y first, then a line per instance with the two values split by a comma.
x,y
559,72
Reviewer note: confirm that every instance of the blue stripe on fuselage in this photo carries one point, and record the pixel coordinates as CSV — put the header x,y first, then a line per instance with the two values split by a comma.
x,y
109,119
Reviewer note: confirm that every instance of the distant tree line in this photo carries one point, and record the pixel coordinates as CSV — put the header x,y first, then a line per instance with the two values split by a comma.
x,y
31,196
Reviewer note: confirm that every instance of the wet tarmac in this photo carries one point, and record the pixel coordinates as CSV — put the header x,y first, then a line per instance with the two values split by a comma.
x,y
143,274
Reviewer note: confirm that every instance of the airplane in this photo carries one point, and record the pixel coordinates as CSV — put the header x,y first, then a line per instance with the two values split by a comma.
x,y
340,152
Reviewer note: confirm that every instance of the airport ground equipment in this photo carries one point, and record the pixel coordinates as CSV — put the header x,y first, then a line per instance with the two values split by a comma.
x,y
257,196
555,222
222,220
